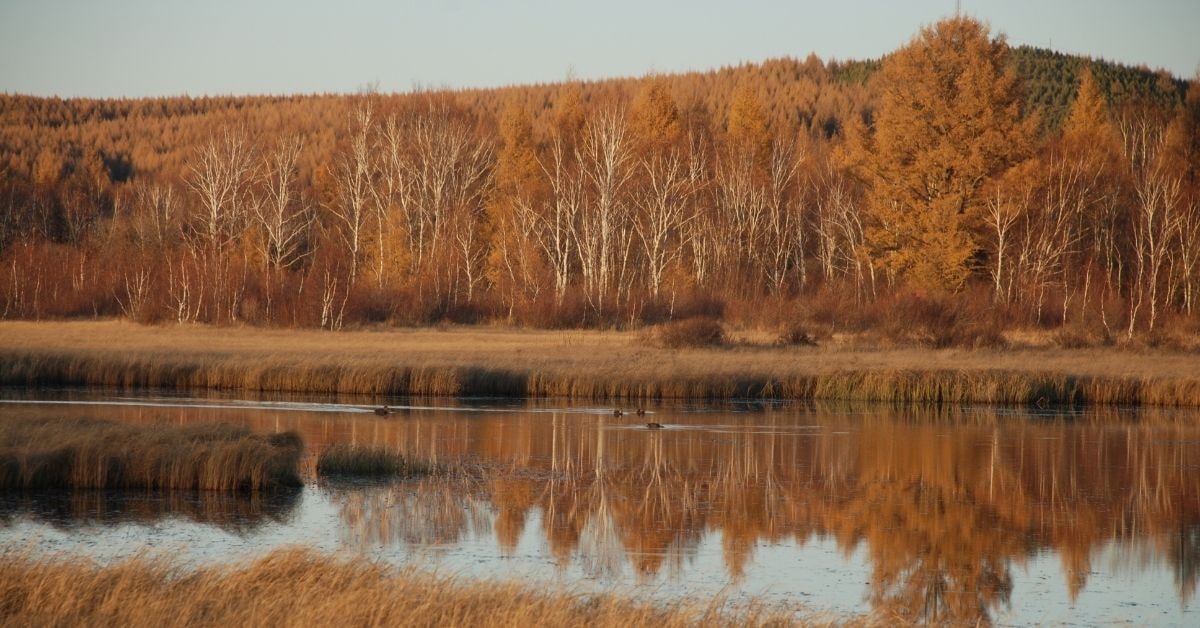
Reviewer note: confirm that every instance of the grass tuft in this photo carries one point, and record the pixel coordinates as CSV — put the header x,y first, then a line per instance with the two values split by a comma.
x,y
80,453
344,459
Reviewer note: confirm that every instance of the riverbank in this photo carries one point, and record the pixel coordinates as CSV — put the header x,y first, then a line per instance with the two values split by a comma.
x,y
593,365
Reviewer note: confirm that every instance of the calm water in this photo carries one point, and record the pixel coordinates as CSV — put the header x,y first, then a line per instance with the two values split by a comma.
x,y
954,515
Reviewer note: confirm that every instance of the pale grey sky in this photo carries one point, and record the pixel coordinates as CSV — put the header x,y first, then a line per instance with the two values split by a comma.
x,y
166,47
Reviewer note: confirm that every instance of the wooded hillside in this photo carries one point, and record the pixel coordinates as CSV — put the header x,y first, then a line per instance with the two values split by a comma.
x,y
955,183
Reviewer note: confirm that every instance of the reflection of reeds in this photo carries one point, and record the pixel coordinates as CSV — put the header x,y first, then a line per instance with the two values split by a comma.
x,y
40,453
232,512
302,588
363,460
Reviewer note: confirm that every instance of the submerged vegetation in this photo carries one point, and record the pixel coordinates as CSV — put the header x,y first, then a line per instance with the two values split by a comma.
x,y
304,588
80,453
345,459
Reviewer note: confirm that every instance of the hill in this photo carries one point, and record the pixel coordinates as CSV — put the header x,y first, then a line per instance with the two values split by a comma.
x,y
758,193
154,136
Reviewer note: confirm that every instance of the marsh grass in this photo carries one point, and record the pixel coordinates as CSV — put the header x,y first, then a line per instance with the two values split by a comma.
x,y
301,588
86,454
345,459
578,365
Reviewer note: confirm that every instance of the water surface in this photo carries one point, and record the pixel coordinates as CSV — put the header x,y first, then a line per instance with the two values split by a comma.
x,y
960,514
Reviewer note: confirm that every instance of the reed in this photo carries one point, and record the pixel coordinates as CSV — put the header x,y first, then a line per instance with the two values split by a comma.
x,y
80,453
345,459
301,588
578,365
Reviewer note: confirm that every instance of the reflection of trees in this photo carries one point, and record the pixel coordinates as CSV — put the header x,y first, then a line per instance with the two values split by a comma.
x,y
930,560
599,552
656,511
426,512
944,504
939,551
1183,549
943,501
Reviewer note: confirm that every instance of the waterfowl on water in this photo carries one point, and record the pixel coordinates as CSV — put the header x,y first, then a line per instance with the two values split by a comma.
x,y
617,412
641,412
654,426
382,411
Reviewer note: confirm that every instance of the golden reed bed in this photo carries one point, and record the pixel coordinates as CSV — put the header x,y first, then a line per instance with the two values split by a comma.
x,y
302,588
579,365
82,453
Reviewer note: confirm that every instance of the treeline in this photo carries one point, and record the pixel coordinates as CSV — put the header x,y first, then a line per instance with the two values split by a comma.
x,y
763,193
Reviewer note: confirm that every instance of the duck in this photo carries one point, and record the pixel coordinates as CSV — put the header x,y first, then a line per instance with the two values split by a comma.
x,y
617,412
654,426
641,412
382,411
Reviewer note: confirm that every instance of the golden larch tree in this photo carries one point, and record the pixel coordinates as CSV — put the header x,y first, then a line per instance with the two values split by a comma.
x,y
654,120
518,189
749,127
1089,111
948,122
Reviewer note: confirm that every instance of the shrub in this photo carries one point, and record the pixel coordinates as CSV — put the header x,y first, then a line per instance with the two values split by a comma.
x,y
796,335
690,332
940,321
1072,338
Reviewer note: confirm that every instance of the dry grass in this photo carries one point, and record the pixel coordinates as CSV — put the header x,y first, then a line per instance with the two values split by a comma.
x,y
345,459
79,453
300,588
577,364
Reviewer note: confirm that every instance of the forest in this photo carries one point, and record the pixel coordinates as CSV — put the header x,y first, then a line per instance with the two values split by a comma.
x,y
955,188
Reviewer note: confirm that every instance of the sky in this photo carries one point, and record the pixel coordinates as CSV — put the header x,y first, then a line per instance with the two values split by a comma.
x,y
133,48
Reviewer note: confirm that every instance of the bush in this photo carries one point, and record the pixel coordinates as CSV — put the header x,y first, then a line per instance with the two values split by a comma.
x,y
940,321
690,332
1073,338
796,335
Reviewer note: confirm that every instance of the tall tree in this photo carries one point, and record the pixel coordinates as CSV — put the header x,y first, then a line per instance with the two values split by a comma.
x,y
518,190
949,121
353,175
664,189
1185,142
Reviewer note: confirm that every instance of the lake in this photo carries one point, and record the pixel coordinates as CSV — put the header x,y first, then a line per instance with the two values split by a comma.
x,y
960,514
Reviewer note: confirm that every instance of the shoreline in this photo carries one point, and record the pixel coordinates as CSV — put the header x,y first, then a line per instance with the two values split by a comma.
x,y
580,365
